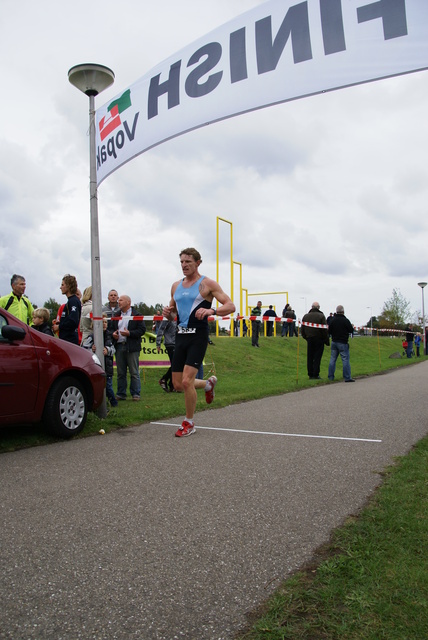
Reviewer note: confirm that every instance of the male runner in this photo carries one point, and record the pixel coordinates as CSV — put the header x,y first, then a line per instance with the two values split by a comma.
x,y
191,304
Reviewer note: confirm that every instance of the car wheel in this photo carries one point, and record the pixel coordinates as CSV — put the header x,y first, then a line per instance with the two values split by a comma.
x,y
66,408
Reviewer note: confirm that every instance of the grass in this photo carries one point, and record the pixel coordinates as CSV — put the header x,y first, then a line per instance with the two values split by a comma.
x,y
371,580
245,373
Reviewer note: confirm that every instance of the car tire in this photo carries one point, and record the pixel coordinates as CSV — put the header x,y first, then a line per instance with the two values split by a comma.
x,y
66,408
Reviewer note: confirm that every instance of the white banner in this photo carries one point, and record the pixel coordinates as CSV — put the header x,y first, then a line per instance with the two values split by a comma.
x,y
279,51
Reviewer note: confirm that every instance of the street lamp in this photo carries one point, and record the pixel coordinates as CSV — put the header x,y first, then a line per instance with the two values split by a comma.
x,y
371,320
91,79
422,285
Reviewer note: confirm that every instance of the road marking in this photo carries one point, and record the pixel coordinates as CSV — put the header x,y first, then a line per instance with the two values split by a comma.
x,y
272,433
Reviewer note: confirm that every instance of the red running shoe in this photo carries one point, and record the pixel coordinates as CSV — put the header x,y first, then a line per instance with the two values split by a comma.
x,y
186,429
209,395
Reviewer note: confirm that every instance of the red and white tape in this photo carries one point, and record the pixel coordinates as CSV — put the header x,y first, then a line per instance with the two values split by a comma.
x,y
251,318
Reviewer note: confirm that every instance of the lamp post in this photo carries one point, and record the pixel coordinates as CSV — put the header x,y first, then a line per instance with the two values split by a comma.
x,y
422,285
91,79
371,320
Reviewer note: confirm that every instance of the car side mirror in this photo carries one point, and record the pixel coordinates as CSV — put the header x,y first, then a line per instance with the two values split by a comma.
x,y
13,333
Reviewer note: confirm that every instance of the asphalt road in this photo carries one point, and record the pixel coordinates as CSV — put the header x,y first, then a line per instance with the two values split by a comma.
x,y
141,535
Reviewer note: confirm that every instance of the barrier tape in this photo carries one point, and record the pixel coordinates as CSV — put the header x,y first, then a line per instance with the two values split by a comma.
x,y
251,318
210,318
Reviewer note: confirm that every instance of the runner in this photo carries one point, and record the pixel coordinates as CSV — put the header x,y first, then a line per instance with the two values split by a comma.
x,y
191,304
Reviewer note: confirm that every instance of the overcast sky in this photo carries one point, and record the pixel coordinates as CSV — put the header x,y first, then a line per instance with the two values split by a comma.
x,y
328,195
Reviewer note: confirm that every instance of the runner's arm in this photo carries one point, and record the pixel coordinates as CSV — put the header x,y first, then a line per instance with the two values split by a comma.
x,y
215,291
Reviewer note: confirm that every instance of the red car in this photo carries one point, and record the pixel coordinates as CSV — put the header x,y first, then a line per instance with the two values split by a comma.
x,y
44,379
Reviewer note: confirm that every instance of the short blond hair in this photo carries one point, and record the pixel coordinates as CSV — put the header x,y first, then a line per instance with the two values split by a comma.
x,y
42,313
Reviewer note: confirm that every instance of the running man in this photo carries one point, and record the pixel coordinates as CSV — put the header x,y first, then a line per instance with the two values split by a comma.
x,y
191,304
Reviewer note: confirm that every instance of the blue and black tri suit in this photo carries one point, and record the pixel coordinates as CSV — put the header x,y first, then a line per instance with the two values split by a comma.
x,y
192,334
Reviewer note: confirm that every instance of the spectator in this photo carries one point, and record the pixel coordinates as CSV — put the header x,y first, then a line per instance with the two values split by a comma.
x,y
418,344
167,330
270,313
340,329
112,304
284,330
291,317
255,324
86,325
55,323
109,352
409,339
41,318
68,325
244,328
127,340
16,303
316,338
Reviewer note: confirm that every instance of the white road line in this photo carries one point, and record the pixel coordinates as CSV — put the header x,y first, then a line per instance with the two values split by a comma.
x,y
272,433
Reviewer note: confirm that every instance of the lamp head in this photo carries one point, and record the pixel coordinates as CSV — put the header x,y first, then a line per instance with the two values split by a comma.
x,y
91,79
422,285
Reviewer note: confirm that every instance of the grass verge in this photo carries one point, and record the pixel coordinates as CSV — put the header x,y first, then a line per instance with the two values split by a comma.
x,y
371,581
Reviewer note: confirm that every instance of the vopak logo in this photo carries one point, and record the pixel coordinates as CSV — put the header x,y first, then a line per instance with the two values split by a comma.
x,y
108,124
115,124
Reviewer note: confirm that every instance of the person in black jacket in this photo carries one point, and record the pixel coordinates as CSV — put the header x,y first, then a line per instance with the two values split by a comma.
x,y
316,337
70,317
167,330
340,329
127,340
270,313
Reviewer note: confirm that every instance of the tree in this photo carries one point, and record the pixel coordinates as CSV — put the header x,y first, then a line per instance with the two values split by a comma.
x,y
396,311
373,322
142,309
53,307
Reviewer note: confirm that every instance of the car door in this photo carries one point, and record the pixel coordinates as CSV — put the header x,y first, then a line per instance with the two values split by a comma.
x,y
19,372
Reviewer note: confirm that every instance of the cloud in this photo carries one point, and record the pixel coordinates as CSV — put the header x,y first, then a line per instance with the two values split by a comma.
x,y
327,195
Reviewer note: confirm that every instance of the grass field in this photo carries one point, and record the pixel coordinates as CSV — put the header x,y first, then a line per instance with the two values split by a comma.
x,y
371,581
244,373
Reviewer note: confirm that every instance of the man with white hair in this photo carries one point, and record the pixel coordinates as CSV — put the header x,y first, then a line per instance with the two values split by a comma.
x,y
127,336
340,329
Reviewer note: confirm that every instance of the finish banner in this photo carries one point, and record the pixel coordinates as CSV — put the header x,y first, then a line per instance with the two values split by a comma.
x,y
279,51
